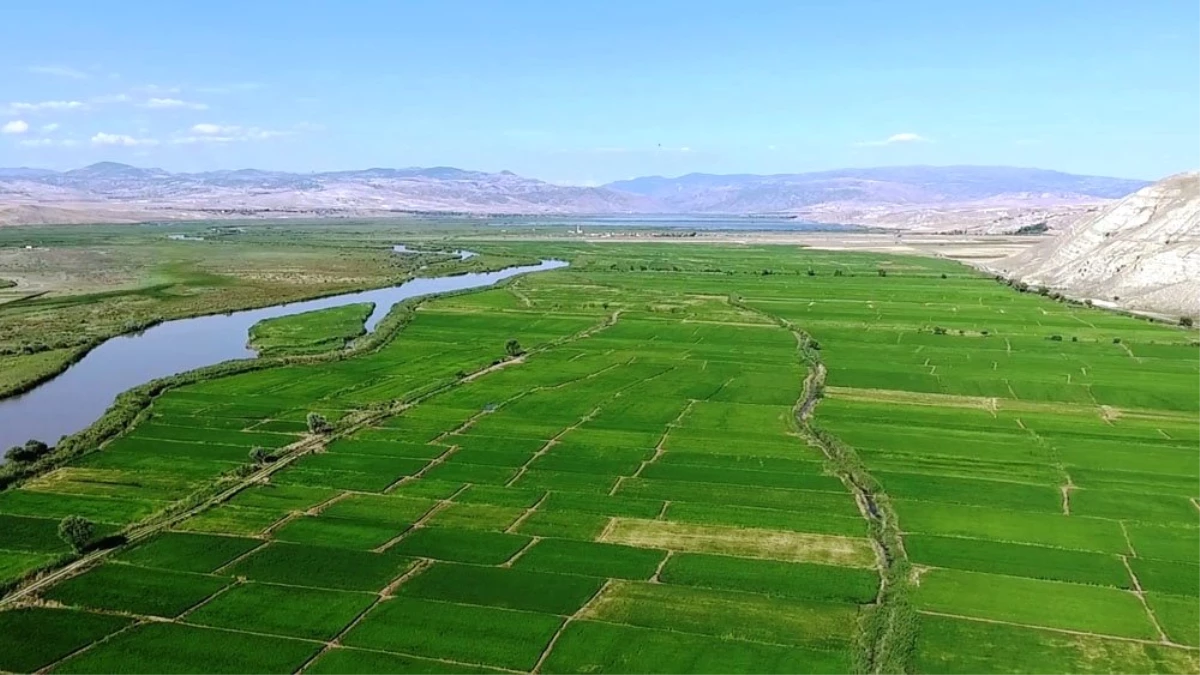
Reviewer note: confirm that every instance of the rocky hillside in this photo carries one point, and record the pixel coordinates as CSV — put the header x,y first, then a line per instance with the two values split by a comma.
x,y
1141,253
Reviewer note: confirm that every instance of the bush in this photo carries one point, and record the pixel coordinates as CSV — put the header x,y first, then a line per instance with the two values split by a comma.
x,y
77,531
1186,321
811,272
1055,338
1116,341
513,348
883,273
943,275
938,330
30,452
259,456
317,424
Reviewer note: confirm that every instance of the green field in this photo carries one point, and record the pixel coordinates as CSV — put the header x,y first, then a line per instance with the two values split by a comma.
x,y
636,493
318,331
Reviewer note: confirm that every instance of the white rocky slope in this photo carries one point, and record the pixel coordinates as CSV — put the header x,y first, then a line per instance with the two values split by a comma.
x,y
1141,253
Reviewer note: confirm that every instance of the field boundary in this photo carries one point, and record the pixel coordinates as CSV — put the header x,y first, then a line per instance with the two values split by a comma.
x,y
352,423
889,628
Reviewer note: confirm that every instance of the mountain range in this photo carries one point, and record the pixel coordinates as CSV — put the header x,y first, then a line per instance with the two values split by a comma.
x,y
112,189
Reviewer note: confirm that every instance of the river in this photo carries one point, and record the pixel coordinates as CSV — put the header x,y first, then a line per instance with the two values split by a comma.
x,y
78,396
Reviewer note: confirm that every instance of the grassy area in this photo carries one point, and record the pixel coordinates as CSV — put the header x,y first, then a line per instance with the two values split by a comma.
x,y
67,288
319,331
635,493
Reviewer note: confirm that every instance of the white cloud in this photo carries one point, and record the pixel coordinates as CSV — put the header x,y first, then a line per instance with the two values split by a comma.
x,y
173,103
48,142
59,71
110,98
121,140
15,127
217,133
40,106
49,128
206,129
906,137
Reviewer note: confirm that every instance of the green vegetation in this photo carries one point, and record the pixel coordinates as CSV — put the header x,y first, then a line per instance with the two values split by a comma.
x,y
500,638
188,552
35,637
125,588
76,531
175,648
692,467
313,332
283,610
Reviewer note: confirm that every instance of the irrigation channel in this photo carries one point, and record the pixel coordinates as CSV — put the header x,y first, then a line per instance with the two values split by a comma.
x,y
77,397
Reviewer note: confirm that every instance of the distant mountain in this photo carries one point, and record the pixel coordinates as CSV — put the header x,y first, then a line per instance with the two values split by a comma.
x,y
1142,252
901,186
848,195
253,192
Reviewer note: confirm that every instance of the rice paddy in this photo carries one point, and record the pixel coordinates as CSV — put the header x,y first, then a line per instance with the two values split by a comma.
x,y
642,487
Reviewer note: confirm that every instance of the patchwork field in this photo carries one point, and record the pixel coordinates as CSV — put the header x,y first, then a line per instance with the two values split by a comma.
x,y
702,459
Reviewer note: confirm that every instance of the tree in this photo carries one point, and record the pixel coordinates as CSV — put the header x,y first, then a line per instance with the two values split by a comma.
x,y
259,455
883,273
1186,321
30,452
317,424
812,272
513,348
77,531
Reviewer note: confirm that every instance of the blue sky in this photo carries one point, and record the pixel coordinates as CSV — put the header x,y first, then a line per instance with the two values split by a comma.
x,y
587,92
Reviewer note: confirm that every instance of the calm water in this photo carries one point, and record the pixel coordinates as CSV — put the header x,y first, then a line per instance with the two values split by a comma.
x,y
80,395
684,222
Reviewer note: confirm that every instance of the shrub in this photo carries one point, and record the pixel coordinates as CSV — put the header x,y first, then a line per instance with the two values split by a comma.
x,y
1116,341
30,452
513,348
317,424
938,330
1055,338
77,531
1186,321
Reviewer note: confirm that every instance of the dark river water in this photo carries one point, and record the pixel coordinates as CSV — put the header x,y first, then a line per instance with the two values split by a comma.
x,y
79,395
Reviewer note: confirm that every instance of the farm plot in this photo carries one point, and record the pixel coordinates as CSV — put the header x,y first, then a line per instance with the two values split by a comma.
x,y
634,493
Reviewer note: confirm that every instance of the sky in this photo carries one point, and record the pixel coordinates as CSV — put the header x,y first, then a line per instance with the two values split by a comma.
x,y
584,92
